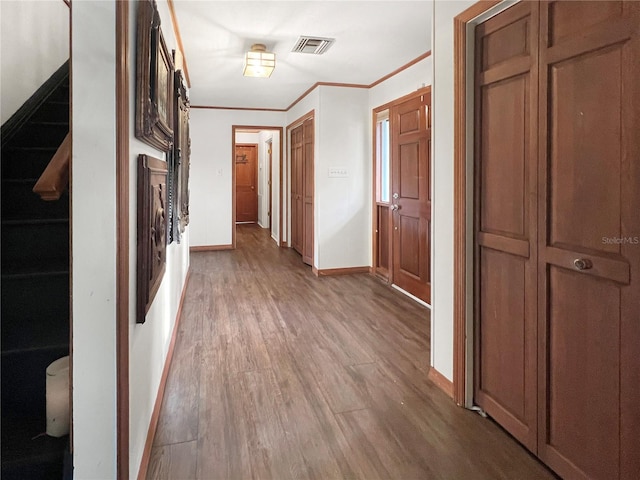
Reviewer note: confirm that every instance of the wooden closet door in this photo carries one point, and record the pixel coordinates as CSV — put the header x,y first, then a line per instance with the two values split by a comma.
x,y
411,195
296,188
589,251
307,191
505,220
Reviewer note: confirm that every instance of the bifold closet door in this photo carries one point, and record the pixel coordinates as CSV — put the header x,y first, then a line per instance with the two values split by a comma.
x,y
589,239
557,238
296,188
505,230
307,192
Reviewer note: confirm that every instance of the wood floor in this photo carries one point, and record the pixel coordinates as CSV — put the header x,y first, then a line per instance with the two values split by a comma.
x,y
281,375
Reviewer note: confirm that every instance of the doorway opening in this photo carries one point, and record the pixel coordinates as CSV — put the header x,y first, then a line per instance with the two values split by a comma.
x,y
257,178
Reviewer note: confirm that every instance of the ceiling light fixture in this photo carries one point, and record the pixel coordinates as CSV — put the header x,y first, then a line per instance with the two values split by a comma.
x,y
258,62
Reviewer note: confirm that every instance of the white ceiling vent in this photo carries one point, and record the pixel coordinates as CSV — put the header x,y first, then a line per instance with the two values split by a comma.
x,y
313,45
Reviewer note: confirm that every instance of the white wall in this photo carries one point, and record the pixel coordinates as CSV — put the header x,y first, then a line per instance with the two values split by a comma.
x,y
94,254
211,168
403,83
343,205
149,342
94,240
34,43
272,136
442,161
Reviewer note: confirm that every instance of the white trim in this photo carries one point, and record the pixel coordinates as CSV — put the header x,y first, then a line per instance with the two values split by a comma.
x,y
413,297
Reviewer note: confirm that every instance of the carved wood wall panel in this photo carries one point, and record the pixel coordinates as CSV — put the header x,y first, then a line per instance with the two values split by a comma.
x,y
180,160
152,231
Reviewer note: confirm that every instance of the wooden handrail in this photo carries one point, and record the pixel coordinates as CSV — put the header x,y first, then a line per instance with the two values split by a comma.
x,y
55,177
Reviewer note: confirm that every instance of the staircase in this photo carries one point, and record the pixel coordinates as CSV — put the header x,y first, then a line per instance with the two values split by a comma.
x,y
35,282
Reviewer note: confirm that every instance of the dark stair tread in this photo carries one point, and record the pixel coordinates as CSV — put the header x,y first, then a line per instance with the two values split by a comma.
x,y
27,181
21,451
34,221
50,123
36,271
20,202
35,349
35,310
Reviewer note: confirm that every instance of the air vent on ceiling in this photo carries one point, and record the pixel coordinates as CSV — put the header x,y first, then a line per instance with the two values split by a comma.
x,y
313,45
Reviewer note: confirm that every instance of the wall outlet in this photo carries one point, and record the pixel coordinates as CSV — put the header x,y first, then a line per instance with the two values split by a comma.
x,y
338,172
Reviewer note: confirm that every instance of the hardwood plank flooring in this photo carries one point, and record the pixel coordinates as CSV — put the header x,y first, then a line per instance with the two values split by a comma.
x,y
278,374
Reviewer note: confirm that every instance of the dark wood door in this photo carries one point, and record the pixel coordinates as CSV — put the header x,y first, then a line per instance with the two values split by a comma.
x,y
411,197
557,246
307,192
505,222
589,238
246,183
297,148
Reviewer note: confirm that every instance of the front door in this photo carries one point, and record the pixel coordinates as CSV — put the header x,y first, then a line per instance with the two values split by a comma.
x,y
246,183
410,195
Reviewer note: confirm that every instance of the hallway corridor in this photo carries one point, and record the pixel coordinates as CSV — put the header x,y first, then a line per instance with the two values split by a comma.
x,y
278,374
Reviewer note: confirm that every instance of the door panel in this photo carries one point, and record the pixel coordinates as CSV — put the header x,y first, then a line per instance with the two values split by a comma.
x,y
504,155
589,239
246,183
583,377
505,205
302,186
307,192
502,345
411,196
296,189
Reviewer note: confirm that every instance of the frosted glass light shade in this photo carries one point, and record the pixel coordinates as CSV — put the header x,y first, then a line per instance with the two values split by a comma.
x,y
258,62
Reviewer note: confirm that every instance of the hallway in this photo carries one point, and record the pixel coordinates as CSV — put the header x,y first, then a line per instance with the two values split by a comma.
x,y
278,374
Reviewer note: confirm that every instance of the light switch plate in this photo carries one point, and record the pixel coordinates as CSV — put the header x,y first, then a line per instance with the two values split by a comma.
x,y
338,172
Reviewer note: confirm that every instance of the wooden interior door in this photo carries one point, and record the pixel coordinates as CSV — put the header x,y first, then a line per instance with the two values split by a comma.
x,y
557,238
411,196
505,220
307,192
297,147
589,238
246,183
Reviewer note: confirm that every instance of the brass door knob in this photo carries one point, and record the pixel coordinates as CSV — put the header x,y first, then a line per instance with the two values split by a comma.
x,y
582,263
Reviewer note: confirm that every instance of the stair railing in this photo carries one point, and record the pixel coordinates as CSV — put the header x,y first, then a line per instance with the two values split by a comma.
x,y
55,178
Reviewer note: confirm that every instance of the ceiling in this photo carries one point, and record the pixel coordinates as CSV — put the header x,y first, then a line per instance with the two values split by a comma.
x,y
373,38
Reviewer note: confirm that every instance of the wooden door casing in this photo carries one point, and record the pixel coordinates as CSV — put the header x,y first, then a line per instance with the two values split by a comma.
x,y
246,165
589,210
411,195
505,221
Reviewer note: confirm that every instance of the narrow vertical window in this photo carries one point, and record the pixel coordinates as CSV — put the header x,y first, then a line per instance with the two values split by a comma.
x,y
383,156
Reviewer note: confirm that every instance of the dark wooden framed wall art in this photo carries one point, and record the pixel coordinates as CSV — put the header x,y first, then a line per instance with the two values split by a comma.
x,y
162,121
154,81
179,160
